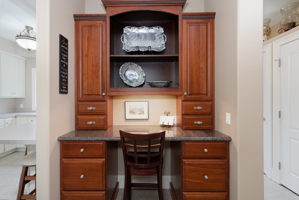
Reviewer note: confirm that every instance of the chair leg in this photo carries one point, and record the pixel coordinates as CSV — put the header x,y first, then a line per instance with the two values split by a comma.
x,y
127,189
160,189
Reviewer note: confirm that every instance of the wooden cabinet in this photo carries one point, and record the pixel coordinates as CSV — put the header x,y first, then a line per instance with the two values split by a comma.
x,y
202,170
88,170
90,46
198,68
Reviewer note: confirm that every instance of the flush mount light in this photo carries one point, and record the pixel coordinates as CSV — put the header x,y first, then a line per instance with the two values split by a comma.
x,y
27,39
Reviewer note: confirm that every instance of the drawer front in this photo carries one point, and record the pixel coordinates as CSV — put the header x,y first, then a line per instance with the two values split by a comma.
x,y
205,149
83,174
83,149
83,195
194,122
205,196
205,175
92,108
91,122
197,108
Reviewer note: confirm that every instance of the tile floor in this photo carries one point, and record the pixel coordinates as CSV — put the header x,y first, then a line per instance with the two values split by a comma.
x,y
10,170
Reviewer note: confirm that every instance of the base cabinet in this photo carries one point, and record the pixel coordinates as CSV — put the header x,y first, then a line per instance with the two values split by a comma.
x,y
83,195
204,196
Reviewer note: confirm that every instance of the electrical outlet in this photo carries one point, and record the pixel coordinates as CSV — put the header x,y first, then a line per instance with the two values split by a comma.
x,y
228,118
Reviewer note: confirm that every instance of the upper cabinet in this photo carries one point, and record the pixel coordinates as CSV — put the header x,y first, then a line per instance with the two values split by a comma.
x,y
198,56
90,42
12,76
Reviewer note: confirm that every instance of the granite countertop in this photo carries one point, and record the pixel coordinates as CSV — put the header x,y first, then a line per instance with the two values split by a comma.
x,y
172,134
12,115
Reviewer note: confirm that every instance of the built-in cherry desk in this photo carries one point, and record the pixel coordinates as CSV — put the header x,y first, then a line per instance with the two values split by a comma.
x,y
199,163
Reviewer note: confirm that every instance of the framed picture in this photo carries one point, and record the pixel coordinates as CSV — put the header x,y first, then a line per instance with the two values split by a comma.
x,y
136,109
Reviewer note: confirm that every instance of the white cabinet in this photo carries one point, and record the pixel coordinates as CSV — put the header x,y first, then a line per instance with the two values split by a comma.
x,y
1,148
25,120
12,76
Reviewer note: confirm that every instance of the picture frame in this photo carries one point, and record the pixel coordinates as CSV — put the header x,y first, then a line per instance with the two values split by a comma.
x,y
138,110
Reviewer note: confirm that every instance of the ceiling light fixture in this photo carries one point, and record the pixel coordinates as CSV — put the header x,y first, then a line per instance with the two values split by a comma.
x,y
27,39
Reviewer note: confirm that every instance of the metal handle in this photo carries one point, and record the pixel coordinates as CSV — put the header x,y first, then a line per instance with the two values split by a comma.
x,y
103,94
206,177
81,176
91,108
90,122
82,150
198,122
205,150
197,107
185,93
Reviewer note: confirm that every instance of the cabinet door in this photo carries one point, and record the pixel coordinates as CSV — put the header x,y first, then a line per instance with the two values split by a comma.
x,y
90,59
198,58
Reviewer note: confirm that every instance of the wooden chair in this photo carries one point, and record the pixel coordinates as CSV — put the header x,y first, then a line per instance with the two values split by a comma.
x,y
143,156
26,178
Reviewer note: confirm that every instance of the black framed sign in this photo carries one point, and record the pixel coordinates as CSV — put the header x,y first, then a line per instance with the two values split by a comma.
x,y
63,64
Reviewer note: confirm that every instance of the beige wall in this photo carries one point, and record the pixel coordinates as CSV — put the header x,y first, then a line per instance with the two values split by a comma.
x,y
96,6
238,91
158,104
55,111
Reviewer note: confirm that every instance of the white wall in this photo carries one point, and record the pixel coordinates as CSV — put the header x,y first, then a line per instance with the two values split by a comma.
x,y
239,91
55,112
96,6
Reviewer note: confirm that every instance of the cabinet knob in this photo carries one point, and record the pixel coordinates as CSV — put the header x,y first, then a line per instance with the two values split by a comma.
x,y
185,93
103,94
197,107
205,150
90,122
91,108
82,150
81,176
206,177
198,122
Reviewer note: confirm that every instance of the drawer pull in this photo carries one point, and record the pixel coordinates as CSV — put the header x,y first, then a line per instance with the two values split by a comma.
x,y
90,122
197,107
91,108
198,122
82,150
205,150
81,176
206,177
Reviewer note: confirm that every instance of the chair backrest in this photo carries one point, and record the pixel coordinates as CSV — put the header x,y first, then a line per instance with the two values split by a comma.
x,y
143,151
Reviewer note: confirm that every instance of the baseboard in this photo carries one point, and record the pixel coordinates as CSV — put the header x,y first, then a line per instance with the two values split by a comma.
x,y
149,179
8,152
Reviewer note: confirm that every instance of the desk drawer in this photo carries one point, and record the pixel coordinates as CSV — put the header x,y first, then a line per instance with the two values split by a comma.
x,y
197,108
83,195
91,122
193,122
92,108
83,149
205,196
205,175
83,174
205,150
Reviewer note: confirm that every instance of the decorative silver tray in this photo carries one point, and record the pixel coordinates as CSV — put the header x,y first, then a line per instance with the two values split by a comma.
x,y
143,38
132,74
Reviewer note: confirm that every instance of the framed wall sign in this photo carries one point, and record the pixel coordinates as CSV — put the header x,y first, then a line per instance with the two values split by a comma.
x,y
136,109
63,65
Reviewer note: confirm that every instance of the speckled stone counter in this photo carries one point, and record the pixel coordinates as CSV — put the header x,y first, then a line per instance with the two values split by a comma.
x,y
172,134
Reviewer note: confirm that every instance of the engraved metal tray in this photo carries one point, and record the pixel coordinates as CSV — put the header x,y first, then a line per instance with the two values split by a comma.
x,y
132,74
143,38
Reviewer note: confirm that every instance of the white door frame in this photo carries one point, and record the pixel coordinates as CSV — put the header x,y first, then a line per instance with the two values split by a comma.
x,y
277,152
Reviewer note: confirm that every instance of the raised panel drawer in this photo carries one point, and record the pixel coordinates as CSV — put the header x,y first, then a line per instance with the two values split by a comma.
x,y
205,196
91,122
205,150
194,122
92,108
83,174
83,150
205,175
83,195
197,108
